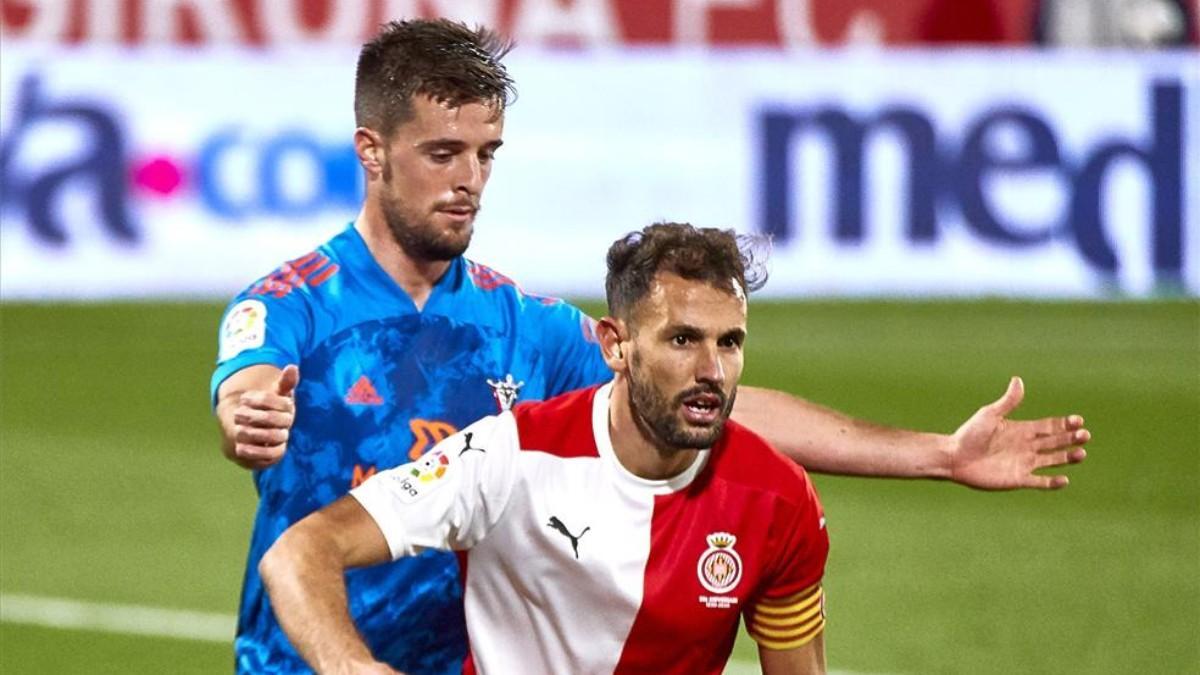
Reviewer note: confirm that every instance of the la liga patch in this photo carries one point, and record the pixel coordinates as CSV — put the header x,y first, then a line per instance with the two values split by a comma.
x,y
417,478
245,327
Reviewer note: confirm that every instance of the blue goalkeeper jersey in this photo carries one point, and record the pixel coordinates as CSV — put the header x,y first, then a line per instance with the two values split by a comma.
x,y
380,383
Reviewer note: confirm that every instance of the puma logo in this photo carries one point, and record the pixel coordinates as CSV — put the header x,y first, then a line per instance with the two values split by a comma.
x,y
558,525
467,445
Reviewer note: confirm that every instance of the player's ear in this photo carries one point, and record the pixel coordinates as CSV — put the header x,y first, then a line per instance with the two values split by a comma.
x,y
612,333
370,148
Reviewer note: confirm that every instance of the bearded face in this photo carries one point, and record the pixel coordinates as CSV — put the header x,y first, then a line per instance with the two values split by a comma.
x,y
419,236
685,361
663,415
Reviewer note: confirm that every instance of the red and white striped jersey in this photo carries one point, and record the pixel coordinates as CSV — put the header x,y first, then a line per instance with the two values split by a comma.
x,y
574,564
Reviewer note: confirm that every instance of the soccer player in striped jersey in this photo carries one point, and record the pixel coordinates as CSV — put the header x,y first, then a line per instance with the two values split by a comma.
x,y
620,528
400,341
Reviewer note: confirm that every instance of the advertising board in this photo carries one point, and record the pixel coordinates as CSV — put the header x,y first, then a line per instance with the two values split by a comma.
x,y
182,174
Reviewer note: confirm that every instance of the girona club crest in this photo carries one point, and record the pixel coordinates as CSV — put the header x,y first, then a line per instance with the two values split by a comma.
x,y
720,567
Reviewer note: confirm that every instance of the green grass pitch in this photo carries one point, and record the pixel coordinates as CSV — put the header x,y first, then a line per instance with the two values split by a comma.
x,y
112,488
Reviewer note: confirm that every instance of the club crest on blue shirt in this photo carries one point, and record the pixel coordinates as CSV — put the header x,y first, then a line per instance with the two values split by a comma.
x,y
719,567
505,391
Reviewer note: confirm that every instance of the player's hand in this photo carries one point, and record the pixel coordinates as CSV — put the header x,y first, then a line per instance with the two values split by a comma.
x,y
991,452
263,421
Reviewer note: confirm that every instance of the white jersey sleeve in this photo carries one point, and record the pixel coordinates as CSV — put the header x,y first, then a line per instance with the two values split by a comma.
x,y
452,496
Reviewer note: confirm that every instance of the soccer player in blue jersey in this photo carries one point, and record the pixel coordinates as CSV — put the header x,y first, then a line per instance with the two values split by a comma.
x,y
364,353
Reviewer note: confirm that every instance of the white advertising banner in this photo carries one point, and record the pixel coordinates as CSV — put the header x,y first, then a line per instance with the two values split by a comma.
x,y
190,174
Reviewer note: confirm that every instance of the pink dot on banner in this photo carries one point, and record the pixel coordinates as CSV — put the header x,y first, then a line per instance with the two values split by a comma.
x,y
159,175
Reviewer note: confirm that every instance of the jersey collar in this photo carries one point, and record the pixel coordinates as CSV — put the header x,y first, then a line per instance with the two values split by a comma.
x,y
600,430
440,297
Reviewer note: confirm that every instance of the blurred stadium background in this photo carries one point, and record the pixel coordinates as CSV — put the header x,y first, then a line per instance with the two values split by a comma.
x,y
958,191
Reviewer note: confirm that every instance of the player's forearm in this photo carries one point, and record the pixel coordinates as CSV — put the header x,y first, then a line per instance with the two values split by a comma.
x,y
305,579
825,441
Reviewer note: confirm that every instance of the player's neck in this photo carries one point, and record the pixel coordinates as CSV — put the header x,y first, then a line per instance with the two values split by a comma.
x,y
637,451
416,277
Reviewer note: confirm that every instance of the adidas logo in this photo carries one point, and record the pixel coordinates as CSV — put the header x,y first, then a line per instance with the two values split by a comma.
x,y
363,393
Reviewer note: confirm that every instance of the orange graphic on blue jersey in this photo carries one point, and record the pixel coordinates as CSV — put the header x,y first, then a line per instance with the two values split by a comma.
x,y
426,434
489,279
363,393
361,475
313,269
430,467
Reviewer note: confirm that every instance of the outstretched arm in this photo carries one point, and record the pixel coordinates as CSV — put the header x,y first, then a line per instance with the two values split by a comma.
x,y
989,451
304,572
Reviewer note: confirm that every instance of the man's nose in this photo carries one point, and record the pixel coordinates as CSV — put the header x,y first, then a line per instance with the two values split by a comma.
x,y
709,367
470,177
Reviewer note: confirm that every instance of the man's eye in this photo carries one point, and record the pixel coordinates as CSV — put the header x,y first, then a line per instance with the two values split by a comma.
x,y
441,156
680,340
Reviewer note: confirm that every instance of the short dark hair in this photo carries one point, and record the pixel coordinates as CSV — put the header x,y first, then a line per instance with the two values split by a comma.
x,y
717,257
438,58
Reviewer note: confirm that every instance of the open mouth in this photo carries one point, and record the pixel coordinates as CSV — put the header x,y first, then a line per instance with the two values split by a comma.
x,y
702,408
